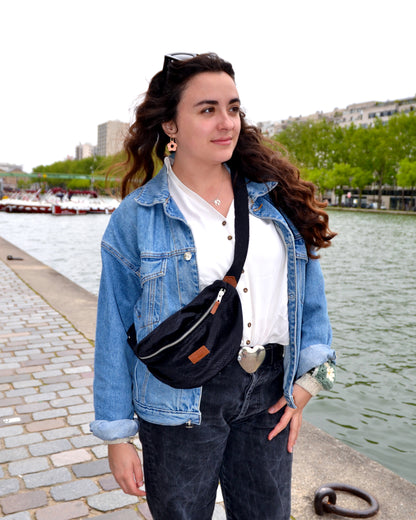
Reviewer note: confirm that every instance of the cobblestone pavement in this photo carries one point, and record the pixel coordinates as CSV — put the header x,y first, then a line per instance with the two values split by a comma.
x,y
51,467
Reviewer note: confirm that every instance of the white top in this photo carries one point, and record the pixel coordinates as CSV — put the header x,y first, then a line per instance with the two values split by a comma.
x,y
263,284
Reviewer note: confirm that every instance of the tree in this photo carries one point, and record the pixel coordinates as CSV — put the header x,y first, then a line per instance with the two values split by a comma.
x,y
312,143
340,176
317,177
406,177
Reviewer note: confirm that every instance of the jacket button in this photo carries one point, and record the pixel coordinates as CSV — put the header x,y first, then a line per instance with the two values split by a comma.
x,y
187,256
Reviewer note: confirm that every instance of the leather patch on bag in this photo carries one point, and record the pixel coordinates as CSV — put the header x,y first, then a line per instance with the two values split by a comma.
x,y
198,354
231,280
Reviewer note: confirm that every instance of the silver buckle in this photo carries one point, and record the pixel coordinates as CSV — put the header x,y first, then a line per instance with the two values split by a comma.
x,y
250,358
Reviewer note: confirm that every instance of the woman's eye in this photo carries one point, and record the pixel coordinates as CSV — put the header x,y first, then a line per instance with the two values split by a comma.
x,y
235,109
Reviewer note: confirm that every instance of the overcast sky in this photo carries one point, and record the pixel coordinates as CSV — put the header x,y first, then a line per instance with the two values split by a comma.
x,y
67,66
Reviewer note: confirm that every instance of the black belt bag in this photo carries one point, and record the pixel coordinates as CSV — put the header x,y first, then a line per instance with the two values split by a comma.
x,y
194,344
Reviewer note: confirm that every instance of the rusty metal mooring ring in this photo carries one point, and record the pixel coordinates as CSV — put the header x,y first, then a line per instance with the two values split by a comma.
x,y
328,490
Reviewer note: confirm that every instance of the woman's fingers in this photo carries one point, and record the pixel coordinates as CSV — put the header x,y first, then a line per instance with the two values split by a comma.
x,y
126,467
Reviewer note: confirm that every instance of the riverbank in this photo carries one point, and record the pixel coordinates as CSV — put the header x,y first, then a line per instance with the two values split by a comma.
x,y
52,468
366,210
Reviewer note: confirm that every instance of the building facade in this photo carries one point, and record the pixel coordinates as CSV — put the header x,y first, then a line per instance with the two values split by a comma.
x,y
110,137
358,114
84,150
6,181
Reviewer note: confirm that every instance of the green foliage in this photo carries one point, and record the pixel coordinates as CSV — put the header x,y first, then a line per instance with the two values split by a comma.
x,y
406,176
333,157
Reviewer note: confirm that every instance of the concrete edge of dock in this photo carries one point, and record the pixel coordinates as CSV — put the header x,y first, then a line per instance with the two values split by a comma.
x,y
318,458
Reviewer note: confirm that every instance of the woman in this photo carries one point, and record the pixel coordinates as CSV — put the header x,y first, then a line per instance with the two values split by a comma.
x,y
171,237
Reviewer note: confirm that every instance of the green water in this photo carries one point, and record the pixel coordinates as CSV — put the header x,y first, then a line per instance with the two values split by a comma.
x,y
370,276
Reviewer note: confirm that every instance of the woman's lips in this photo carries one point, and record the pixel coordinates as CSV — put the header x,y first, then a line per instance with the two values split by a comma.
x,y
223,141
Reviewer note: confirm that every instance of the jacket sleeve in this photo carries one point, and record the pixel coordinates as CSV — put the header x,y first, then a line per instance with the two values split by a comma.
x,y
114,360
316,332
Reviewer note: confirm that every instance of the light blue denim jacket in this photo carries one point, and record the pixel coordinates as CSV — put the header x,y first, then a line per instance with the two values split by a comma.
x,y
149,271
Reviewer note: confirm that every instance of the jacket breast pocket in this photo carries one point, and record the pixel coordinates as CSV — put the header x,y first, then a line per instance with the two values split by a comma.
x,y
152,273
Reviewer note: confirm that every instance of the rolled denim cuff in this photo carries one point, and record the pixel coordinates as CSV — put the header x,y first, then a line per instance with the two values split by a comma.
x,y
115,430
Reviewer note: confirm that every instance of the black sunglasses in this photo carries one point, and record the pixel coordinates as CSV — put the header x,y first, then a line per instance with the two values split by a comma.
x,y
176,56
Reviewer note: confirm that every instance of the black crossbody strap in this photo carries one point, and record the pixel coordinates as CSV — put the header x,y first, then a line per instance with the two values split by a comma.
x,y
241,230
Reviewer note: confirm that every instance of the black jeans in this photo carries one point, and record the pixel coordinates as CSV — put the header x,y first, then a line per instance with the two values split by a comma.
x,y
182,466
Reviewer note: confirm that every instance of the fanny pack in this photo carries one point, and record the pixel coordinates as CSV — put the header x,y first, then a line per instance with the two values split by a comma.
x,y
198,341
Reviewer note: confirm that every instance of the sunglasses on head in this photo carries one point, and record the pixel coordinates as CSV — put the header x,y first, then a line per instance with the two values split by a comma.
x,y
176,56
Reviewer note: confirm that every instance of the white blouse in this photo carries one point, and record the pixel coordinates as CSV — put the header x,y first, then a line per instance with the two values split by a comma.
x,y
263,284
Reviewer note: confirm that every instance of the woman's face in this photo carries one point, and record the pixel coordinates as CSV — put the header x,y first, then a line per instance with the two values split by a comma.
x,y
208,119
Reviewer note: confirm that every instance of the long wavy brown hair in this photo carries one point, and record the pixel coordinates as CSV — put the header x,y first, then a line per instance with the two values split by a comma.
x,y
253,157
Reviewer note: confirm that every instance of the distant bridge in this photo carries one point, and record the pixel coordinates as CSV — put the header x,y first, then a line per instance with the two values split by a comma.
x,y
44,175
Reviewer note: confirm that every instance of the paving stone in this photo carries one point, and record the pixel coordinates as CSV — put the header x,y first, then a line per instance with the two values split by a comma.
x,y
50,414
21,392
21,440
219,513
84,418
32,407
70,457
82,408
84,441
47,478
123,514
64,379
78,369
67,401
28,383
65,358
108,483
13,454
23,501
144,510
50,424
66,511
74,391
91,469
11,378
56,387
111,500
48,447
47,396
18,516
100,451
82,382
4,412
61,433
73,490
10,485
32,465
10,431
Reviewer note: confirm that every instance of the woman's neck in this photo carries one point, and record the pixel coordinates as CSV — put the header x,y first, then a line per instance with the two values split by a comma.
x,y
211,182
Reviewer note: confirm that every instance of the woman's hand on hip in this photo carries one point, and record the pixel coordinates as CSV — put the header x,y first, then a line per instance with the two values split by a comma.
x,y
290,415
126,467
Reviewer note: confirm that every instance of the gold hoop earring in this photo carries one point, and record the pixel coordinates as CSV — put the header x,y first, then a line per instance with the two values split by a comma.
x,y
172,145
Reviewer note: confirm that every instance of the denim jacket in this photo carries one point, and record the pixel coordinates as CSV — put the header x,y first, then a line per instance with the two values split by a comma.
x,y
149,271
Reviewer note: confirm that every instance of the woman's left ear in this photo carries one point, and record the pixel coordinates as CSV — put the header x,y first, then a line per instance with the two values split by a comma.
x,y
169,128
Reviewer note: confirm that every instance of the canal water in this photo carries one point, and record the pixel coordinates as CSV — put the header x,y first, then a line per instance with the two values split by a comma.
x,y
370,274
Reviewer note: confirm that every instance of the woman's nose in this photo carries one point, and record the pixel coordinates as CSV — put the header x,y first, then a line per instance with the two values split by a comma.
x,y
226,121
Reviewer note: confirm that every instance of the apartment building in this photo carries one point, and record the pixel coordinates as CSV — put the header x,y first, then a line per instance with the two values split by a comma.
x,y
358,114
110,137
84,150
